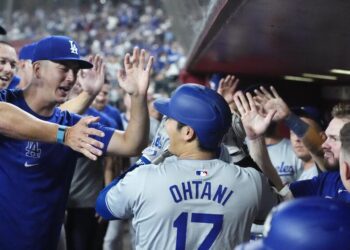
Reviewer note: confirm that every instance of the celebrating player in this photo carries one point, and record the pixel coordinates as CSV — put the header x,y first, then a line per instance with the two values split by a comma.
x,y
192,200
35,177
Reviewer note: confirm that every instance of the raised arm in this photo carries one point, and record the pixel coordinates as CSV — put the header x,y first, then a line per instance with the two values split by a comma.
x,y
134,79
29,127
91,81
255,125
308,134
227,89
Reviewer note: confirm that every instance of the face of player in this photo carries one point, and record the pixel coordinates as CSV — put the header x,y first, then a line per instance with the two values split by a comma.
x,y
101,99
331,147
58,79
8,64
298,146
174,136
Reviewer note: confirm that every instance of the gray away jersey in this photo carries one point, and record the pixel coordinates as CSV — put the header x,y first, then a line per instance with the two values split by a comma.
x,y
191,204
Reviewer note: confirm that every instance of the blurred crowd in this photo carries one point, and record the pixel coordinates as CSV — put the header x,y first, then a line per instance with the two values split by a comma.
x,y
110,30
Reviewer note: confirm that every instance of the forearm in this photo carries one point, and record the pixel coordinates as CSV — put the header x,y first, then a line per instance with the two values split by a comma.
x,y
18,124
135,138
79,104
258,151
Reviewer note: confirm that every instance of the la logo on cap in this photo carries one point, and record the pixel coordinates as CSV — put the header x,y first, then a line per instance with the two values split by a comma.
x,y
73,47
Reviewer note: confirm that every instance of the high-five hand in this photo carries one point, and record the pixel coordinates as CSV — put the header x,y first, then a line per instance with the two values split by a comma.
x,y
134,79
255,124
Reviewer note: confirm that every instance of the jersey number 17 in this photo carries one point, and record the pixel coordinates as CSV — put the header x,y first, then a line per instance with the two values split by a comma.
x,y
181,225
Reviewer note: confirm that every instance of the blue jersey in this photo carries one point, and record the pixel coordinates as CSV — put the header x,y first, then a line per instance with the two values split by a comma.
x,y
114,113
14,82
327,185
34,183
104,118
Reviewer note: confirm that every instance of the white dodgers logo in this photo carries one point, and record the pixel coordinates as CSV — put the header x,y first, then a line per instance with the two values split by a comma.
x,y
33,150
73,47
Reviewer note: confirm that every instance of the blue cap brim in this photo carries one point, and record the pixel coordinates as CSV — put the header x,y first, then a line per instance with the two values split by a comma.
x,y
162,106
82,63
2,31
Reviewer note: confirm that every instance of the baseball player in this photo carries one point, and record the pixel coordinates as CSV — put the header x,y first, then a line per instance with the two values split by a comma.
x,y
305,223
35,177
192,200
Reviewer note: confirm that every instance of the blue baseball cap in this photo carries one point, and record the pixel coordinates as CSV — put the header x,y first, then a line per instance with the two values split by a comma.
x,y
14,82
59,48
310,112
2,30
294,225
27,51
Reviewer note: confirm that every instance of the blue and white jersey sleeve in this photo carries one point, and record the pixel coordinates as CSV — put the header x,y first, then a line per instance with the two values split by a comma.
x,y
123,197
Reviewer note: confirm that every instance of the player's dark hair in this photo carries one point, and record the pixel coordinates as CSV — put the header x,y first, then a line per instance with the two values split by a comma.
x,y
6,43
341,110
107,81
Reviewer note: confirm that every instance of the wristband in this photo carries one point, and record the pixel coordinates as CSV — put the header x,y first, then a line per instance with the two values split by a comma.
x,y
298,126
61,133
284,191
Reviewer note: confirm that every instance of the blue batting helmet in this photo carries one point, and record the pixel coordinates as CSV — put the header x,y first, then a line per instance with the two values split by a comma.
x,y
306,223
202,109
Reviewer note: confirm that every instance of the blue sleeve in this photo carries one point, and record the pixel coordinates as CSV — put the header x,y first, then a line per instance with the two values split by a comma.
x,y
107,130
108,135
101,204
305,188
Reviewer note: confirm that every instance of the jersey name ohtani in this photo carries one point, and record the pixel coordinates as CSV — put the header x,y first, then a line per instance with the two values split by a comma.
x,y
200,190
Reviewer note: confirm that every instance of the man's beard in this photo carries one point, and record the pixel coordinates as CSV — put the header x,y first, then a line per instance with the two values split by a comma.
x,y
332,167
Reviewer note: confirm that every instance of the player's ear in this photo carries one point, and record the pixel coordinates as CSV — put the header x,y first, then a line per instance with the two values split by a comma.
x,y
36,69
188,133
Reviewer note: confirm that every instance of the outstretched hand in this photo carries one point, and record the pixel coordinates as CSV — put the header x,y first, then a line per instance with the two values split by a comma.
x,y
254,123
77,138
134,79
227,89
92,80
272,101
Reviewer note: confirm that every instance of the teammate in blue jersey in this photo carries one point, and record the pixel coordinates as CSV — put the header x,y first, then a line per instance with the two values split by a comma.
x,y
101,104
35,177
192,200
327,184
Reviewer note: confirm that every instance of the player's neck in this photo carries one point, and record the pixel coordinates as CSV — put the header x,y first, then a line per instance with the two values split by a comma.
x,y
308,164
34,99
197,155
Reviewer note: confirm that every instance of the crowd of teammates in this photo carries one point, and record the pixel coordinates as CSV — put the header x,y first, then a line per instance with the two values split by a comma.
x,y
215,166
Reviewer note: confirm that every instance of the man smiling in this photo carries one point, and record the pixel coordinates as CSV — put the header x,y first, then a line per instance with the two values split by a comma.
x,y
35,177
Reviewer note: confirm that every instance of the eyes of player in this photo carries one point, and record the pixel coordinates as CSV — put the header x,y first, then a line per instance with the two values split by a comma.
x,y
333,138
4,61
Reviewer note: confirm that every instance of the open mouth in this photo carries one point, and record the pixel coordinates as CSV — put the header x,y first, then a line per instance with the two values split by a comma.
x,y
5,78
64,90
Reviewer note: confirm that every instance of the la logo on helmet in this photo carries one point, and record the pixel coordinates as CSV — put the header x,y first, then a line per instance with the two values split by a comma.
x,y
73,47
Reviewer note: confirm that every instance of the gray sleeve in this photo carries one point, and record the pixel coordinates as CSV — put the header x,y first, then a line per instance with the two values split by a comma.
x,y
123,197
